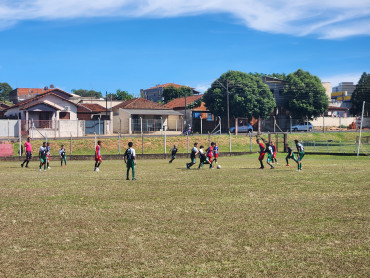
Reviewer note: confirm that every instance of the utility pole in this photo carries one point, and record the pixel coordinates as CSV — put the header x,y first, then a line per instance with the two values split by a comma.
x,y
228,105
227,102
185,109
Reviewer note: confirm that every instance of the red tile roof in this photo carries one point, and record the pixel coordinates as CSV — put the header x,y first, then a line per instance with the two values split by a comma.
x,y
180,102
29,91
91,107
140,103
40,102
49,92
167,85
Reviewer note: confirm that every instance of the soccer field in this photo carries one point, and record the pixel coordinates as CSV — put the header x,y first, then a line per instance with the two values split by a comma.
x,y
238,221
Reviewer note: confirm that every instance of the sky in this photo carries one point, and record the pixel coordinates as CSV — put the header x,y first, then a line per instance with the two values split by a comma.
x,y
130,45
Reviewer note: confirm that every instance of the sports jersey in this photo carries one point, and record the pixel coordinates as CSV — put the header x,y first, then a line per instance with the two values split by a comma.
x,y
273,148
216,149
262,147
210,151
193,152
201,154
300,147
173,151
62,152
43,152
270,150
290,150
97,150
28,147
130,154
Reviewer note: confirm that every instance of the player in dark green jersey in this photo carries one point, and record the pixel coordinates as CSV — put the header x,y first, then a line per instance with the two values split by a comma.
x,y
173,153
300,150
130,157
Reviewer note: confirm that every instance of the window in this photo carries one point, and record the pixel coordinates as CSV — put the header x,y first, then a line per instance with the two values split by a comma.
x,y
196,115
64,116
209,117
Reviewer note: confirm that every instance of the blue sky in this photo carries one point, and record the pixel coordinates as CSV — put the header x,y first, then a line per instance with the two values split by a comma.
x,y
135,45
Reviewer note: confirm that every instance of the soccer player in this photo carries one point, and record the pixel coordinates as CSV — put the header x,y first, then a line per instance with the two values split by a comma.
x,y
216,152
202,157
210,154
28,148
261,152
43,155
290,155
130,158
48,154
98,159
193,154
270,155
300,150
62,153
173,153
274,160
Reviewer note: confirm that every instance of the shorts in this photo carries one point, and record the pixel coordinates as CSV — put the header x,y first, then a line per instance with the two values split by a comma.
x,y
269,158
216,155
130,163
28,155
262,155
210,159
98,158
193,160
300,156
274,155
43,160
48,158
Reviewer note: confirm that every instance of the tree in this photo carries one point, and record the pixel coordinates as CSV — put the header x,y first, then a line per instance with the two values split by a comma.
x,y
87,93
123,95
248,96
170,93
5,89
305,95
120,95
360,94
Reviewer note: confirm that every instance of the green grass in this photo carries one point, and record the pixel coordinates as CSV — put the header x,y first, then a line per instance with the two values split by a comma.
x,y
235,222
240,143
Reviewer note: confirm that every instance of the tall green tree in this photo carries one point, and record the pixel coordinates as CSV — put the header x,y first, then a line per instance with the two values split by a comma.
x,y
5,89
123,95
87,93
171,92
120,95
248,96
305,95
360,94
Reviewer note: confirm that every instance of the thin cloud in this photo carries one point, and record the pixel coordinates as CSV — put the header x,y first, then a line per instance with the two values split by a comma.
x,y
325,19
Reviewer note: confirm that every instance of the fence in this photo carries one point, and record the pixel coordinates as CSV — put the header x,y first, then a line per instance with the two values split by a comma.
x,y
161,144
52,128
322,124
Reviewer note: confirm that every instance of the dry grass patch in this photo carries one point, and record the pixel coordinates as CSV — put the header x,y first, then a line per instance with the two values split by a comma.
x,y
173,222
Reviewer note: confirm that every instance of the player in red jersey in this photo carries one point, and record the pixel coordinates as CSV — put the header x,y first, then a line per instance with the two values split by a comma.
x,y
261,152
210,155
98,159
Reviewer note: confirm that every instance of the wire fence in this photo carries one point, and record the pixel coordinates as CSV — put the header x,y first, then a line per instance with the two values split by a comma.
x,y
330,143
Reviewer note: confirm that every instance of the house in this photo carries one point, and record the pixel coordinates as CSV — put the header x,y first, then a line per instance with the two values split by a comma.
x,y
195,113
92,111
3,107
139,114
51,113
21,94
155,93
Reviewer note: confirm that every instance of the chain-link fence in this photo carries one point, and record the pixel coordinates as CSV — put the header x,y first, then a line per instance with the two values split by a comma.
x,y
332,143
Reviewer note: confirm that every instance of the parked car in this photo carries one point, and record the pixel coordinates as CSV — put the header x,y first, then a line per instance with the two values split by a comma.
x,y
302,127
243,128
